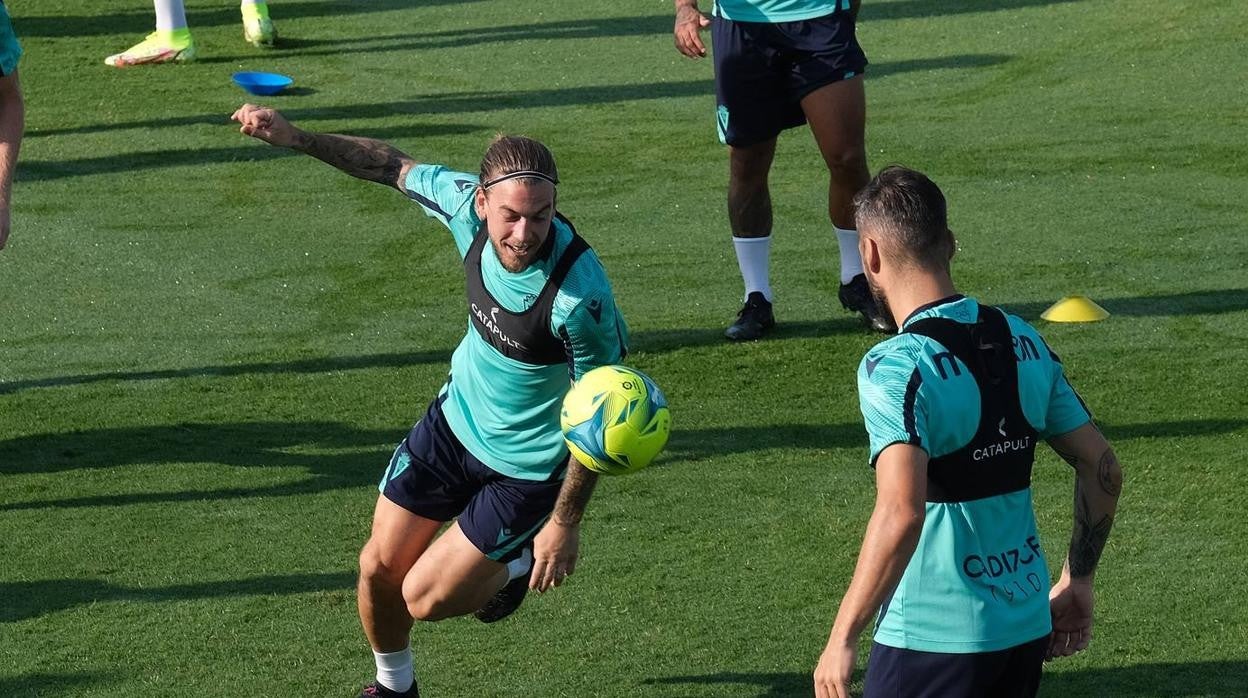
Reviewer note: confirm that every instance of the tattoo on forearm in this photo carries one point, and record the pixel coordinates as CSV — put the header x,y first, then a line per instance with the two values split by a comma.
x,y
365,158
574,496
1089,537
1109,473
1070,458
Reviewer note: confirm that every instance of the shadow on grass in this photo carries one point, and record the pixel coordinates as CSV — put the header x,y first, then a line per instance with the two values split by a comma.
x,y
696,444
646,341
24,600
140,19
247,444
465,102
1230,300
908,9
41,683
269,444
1212,679
667,340
589,28
771,685
323,365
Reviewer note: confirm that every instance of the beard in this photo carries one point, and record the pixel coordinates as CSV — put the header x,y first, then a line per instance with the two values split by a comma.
x,y
881,301
509,260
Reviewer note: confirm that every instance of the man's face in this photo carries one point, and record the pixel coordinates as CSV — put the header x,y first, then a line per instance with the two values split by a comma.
x,y
517,217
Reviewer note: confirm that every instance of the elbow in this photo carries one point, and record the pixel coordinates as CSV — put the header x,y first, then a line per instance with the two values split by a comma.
x,y
1110,474
907,524
912,528
1112,478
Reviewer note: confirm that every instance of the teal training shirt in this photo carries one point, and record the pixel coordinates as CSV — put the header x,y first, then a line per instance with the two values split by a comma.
x,y
10,50
504,411
978,581
773,11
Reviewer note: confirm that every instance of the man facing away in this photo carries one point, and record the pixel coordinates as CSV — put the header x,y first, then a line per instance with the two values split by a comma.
x,y
489,454
951,563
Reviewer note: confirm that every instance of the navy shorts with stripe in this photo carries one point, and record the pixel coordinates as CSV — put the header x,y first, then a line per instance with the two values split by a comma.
x,y
432,475
1008,673
763,70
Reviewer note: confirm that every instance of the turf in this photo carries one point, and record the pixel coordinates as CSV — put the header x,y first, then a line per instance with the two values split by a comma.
x,y
209,347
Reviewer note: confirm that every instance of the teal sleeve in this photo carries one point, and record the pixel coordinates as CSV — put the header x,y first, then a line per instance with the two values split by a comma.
x,y
890,395
1066,411
595,334
586,317
446,195
10,50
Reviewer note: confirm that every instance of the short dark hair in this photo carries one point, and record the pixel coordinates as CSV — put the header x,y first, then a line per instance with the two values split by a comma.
x,y
508,154
910,209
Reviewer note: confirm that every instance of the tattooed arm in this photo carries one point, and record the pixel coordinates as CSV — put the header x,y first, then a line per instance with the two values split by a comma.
x,y
1098,482
556,548
366,158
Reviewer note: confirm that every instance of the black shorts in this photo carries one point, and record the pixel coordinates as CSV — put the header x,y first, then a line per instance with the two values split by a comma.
x,y
764,70
1009,673
432,475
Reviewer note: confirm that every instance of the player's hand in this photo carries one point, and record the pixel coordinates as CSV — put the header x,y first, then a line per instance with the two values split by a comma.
x,y
689,25
1070,604
555,550
4,226
266,124
835,668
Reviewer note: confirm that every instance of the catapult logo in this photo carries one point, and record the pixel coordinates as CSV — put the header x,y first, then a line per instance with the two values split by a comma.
x,y
490,323
1001,447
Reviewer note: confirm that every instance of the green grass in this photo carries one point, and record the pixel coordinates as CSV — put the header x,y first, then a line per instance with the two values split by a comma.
x,y
209,347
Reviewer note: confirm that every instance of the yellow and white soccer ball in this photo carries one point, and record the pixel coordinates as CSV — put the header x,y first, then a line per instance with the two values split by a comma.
x,y
615,420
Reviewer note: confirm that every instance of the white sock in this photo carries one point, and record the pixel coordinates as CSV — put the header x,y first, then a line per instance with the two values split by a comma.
x,y
754,259
851,261
170,15
394,669
520,566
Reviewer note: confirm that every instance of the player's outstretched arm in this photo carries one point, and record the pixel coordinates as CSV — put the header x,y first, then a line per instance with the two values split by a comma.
x,y
1098,483
12,123
556,547
366,158
688,31
892,536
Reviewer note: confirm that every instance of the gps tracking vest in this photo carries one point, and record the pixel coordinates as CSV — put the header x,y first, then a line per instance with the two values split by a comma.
x,y
524,336
999,457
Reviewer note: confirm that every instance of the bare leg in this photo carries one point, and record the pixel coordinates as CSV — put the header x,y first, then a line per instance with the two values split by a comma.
x,y
749,199
837,114
453,578
398,539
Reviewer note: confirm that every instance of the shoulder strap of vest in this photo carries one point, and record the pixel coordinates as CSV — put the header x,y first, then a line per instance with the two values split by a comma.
x,y
984,346
571,253
473,256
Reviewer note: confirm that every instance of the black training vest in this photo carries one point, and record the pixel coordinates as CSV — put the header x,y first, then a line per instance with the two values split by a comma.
x,y
526,336
999,457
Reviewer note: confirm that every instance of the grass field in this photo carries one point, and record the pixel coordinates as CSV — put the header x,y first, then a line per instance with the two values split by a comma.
x,y
209,347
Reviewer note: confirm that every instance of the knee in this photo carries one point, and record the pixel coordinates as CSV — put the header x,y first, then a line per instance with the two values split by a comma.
x,y
377,569
849,160
427,604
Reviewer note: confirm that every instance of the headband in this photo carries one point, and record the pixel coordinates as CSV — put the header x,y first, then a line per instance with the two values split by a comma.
x,y
517,175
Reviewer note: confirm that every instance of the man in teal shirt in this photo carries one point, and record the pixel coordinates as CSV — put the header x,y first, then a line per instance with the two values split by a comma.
x,y
12,117
489,453
951,564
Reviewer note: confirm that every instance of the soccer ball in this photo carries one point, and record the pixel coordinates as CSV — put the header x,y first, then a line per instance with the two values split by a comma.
x,y
615,420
